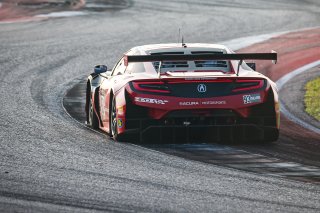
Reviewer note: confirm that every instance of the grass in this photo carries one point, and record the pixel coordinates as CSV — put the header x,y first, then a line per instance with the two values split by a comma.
x,y
312,98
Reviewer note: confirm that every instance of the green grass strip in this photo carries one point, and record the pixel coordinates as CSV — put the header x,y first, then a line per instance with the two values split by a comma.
x,y
312,98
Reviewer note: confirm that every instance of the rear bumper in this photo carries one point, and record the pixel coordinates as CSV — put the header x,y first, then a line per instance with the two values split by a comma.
x,y
256,122
151,131
226,133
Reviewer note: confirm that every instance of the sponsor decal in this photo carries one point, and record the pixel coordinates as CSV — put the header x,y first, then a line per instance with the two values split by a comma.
x,y
189,103
150,100
120,123
120,110
202,88
252,98
194,103
213,102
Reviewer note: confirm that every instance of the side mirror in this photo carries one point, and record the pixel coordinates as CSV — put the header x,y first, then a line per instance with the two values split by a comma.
x,y
252,65
100,69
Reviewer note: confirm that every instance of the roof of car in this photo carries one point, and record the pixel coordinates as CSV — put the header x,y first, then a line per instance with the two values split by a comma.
x,y
179,46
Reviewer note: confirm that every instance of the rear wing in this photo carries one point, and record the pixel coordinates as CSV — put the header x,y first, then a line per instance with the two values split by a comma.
x,y
201,57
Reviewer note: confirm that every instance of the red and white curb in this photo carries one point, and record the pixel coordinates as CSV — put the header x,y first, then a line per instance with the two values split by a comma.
x,y
282,81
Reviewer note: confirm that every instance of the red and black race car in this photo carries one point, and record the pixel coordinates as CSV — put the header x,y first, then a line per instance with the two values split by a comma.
x,y
169,92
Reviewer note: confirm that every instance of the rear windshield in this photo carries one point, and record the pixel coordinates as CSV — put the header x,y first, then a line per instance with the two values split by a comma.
x,y
170,64
193,66
212,64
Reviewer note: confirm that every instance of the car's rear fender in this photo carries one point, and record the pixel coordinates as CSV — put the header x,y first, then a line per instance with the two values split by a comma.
x,y
120,98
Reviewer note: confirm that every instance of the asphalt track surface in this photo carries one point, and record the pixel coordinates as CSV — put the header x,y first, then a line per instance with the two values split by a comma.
x,y
51,163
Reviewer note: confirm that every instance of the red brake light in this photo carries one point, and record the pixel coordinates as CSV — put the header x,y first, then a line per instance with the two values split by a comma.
x,y
242,85
201,81
151,86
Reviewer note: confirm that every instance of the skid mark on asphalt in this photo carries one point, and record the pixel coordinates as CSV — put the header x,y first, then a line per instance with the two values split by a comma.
x,y
239,159
74,101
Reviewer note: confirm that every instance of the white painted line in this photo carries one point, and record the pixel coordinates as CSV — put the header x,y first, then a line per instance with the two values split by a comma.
x,y
98,6
238,43
61,14
282,81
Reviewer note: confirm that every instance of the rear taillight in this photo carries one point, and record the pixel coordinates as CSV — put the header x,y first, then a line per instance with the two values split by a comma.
x,y
243,85
201,81
233,85
150,86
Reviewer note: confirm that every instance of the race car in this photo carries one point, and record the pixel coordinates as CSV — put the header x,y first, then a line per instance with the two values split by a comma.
x,y
184,92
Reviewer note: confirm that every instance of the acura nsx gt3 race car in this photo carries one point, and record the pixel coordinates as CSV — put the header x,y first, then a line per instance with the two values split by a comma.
x,y
188,92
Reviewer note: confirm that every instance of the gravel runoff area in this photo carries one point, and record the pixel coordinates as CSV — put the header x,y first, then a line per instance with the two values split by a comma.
x,y
50,163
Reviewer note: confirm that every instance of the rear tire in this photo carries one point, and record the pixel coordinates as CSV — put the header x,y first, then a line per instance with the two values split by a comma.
x,y
113,119
114,123
92,117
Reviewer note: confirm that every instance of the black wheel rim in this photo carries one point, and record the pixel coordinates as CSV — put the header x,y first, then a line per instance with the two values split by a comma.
x,y
114,119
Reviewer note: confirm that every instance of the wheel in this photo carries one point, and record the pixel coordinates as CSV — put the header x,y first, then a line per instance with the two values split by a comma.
x,y
114,123
113,119
92,117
